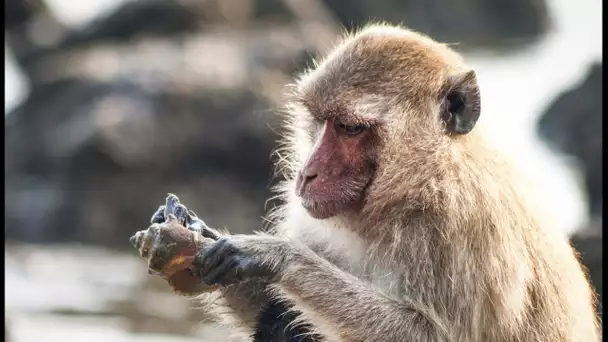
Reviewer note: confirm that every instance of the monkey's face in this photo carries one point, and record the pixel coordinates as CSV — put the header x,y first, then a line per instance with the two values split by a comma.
x,y
383,111
338,170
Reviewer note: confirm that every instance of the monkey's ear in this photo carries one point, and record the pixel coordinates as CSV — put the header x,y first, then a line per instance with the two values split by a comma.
x,y
461,103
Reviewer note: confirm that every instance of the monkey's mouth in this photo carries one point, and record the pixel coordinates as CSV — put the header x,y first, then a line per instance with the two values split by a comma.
x,y
323,210
325,200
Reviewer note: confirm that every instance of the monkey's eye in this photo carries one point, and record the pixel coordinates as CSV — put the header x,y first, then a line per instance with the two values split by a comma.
x,y
351,130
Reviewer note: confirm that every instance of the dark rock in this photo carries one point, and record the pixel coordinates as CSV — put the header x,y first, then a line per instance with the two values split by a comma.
x,y
91,162
19,12
150,18
470,23
271,10
573,125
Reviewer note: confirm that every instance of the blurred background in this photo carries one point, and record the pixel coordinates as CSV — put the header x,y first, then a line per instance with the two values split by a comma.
x,y
111,104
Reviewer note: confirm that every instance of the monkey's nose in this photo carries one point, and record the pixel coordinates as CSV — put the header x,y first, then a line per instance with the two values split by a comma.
x,y
310,171
305,177
309,177
308,174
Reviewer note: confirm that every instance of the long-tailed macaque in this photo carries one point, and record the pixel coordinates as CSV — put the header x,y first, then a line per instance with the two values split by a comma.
x,y
400,222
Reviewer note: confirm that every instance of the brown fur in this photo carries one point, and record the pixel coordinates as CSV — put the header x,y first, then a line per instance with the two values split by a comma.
x,y
448,245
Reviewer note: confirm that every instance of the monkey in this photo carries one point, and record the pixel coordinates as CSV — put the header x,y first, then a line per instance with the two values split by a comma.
x,y
400,221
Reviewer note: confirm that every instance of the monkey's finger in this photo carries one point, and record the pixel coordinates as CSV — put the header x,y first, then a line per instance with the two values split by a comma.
x,y
211,257
171,218
194,227
181,212
193,222
197,225
159,215
192,215
170,204
224,274
210,233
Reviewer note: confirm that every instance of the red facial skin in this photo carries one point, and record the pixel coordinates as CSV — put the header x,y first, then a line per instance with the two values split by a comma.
x,y
340,167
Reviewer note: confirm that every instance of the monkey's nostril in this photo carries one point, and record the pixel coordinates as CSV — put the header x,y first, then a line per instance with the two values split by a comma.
x,y
309,174
309,178
304,178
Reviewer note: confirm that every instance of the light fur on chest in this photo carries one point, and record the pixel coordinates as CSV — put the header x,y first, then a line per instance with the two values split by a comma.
x,y
344,248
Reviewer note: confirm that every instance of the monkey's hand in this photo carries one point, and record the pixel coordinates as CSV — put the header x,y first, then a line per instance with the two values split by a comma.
x,y
185,217
171,244
239,258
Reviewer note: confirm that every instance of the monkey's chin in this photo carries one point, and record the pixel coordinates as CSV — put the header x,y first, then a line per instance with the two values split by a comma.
x,y
322,211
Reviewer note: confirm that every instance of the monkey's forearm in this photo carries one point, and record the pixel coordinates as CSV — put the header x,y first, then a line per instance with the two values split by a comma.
x,y
354,309
246,300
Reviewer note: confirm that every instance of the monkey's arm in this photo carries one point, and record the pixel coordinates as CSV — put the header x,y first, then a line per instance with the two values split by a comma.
x,y
352,307
331,298
245,300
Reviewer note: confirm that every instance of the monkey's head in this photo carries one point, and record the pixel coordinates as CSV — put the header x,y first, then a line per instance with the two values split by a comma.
x,y
378,119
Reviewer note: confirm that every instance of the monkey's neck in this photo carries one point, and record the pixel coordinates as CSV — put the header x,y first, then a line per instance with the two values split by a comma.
x,y
391,228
